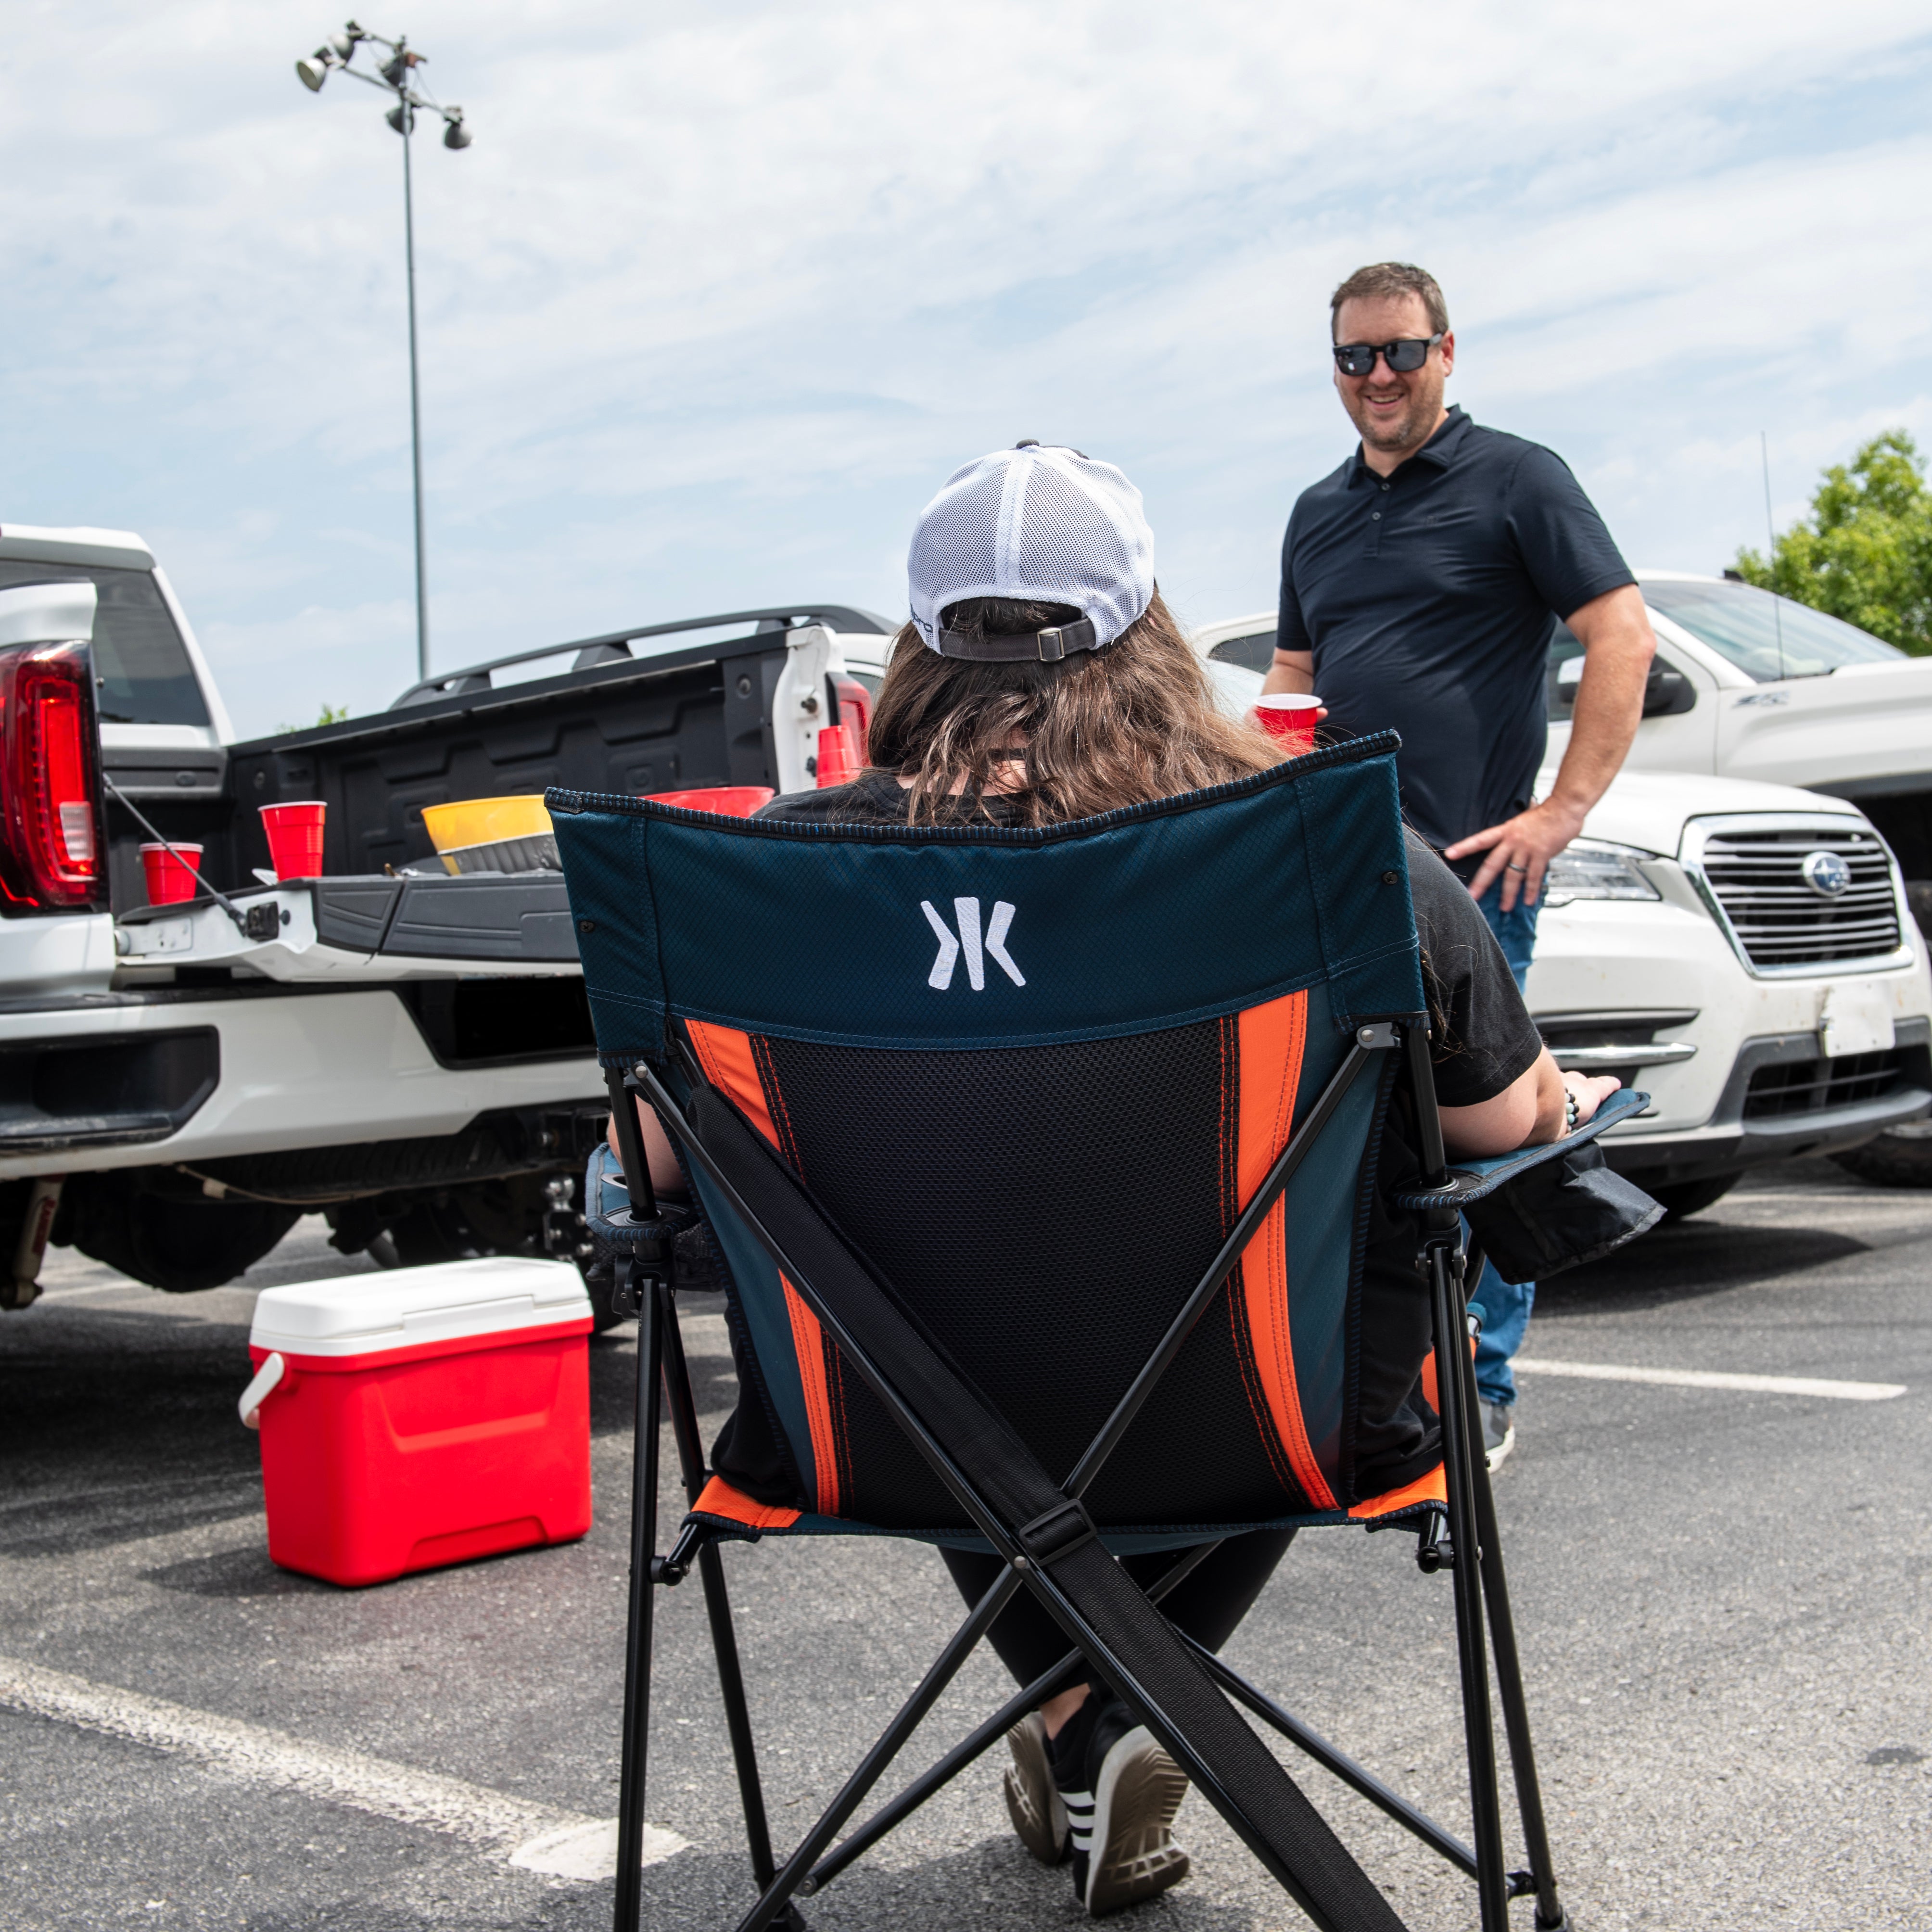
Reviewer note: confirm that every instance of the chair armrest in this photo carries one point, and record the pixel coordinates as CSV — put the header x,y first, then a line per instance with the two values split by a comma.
x,y
1473,1180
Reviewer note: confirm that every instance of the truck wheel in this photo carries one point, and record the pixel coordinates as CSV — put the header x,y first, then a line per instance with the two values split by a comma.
x,y
1900,1157
1680,1197
180,1243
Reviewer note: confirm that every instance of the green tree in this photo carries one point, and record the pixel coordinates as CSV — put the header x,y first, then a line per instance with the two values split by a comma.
x,y
1865,553
331,714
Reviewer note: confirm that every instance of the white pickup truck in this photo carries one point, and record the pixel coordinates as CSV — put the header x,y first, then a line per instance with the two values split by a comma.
x,y
408,1051
1743,950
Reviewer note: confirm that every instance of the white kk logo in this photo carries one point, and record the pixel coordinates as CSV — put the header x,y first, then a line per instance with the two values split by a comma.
x,y
978,951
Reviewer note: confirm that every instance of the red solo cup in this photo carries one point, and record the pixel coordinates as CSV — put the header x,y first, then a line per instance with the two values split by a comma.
x,y
1289,716
838,756
734,801
169,882
295,837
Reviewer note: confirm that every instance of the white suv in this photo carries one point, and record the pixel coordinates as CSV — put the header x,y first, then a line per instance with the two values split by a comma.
x,y
1743,951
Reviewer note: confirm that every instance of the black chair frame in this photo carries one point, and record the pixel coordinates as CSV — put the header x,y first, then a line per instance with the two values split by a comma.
x,y
1480,1590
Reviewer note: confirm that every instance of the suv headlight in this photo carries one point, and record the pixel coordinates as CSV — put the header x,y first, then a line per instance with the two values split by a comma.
x,y
1588,868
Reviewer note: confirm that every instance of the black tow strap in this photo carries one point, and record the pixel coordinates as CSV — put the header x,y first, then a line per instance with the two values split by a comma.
x,y
1175,1696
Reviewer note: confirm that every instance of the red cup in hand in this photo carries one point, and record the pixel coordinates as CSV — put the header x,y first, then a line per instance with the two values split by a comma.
x,y
295,837
1289,716
169,881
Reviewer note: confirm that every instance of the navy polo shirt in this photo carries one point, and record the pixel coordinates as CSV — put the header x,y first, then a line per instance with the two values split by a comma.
x,y
1426,599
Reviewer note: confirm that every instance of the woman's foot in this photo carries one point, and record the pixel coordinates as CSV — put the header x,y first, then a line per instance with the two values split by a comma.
x,y
1120,1791
1032,1803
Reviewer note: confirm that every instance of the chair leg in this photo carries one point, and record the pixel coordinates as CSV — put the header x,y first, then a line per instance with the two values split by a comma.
x,y
1452,1386
1549,1914
945,1667
717,1601
637,1644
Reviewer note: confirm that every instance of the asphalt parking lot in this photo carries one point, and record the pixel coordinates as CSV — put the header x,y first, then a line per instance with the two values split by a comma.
x,y
1723,1594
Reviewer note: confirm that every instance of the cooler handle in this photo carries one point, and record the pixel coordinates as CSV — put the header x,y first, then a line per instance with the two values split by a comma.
x,y
268,1378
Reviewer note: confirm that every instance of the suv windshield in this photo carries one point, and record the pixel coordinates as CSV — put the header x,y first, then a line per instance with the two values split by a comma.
x,y
141,670
1769,637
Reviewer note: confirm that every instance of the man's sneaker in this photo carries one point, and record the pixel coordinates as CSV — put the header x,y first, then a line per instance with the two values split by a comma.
x,y
1498,1431
1121,1791
1033,1802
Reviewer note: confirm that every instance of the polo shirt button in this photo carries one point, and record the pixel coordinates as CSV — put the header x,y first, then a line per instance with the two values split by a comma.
x,y
1375,516
1385,488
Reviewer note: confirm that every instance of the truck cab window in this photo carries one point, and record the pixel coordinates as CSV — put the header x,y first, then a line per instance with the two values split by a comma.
x,y
141,667
1769,637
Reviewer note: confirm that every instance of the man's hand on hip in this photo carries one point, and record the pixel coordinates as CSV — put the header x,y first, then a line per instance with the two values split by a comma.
x,y
1520,849
1614,630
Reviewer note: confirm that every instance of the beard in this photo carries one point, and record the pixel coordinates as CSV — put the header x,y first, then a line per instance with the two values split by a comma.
x,y
1422,404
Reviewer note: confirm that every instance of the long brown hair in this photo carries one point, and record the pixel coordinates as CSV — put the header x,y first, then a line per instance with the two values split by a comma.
x,y
1135,720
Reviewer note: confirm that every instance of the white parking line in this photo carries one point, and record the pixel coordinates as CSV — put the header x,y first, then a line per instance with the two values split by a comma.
x,y
1604,1371
537,1837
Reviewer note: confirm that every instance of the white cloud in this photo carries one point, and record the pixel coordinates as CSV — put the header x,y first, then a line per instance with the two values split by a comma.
x,y
715,299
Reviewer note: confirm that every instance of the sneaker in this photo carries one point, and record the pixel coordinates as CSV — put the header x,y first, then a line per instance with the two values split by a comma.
x,y
1121,1791
1498,1432
1032,1800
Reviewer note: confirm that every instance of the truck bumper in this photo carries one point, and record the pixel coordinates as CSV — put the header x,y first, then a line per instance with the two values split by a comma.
x,y
179,1075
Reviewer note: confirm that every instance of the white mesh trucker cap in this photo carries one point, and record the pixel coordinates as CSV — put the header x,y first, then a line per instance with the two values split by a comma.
x,y
1046,526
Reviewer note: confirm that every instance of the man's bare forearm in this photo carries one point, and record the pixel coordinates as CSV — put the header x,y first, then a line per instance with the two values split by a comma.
x,y
1292,671
1618,645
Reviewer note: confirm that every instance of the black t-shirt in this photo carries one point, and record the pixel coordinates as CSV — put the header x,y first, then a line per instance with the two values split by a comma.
x,y
1427,598
1484,1038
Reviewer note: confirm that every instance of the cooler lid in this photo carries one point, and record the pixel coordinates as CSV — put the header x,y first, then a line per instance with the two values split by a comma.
x,y
396,1308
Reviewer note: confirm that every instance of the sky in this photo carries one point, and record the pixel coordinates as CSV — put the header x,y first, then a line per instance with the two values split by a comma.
x,y
721,295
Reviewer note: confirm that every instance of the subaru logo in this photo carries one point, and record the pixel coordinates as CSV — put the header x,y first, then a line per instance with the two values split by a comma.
x,y
1826,873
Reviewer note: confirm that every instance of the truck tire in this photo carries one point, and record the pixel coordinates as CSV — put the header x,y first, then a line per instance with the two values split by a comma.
x,y
180,1242
1682,1197
1900,1157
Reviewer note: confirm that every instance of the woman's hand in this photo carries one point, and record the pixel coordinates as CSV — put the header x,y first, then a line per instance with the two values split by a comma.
x,y
1553,1089
1592,1091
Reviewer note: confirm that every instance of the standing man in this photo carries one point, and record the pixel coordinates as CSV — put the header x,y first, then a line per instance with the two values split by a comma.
x,y
1418,586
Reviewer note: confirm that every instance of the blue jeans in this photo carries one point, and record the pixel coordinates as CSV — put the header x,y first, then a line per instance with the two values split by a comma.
x,y
1505,1305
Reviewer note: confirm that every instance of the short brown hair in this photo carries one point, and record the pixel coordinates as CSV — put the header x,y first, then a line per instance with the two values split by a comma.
x,y
1382,280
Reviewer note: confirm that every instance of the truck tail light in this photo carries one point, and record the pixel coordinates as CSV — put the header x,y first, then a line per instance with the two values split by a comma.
x,y
52,853
852,706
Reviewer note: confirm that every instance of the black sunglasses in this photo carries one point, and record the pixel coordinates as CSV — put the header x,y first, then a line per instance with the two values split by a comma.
x,y
1358,358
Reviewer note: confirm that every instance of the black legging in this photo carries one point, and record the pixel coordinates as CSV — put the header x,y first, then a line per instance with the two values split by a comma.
x,y
1207,1604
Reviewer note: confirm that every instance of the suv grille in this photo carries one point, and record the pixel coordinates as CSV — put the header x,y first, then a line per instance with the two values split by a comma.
x,y
1758,878
1809,1086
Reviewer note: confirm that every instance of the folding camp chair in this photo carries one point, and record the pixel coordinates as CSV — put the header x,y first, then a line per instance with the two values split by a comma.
x,y
967,1108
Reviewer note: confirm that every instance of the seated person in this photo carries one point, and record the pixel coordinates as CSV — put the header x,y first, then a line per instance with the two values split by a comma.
x,y
972,727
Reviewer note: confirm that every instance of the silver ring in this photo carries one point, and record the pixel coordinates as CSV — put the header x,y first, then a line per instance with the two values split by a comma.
x,y
1508,868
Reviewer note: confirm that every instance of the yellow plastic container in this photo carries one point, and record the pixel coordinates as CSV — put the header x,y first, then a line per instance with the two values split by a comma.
x,y
485,821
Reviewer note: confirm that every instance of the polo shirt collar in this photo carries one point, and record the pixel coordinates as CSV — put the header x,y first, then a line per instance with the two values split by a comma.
x,y
1439,452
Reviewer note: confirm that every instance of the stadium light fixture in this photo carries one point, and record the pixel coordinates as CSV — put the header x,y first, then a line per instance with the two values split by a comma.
x,y
398,75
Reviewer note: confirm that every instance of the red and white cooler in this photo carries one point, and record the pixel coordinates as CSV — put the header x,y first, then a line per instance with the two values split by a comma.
x,y
422,1416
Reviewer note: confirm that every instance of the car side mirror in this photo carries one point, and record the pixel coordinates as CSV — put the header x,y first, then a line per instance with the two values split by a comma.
x,y
1667,692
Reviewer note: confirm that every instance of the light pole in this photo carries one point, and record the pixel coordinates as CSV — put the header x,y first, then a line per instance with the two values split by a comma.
x,y
396,75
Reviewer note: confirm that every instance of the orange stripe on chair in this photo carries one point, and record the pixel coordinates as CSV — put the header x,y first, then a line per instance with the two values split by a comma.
x,y
808,1342
731,1066
725,1054
717,1497
1429,1376
1433,1488
1272,1037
